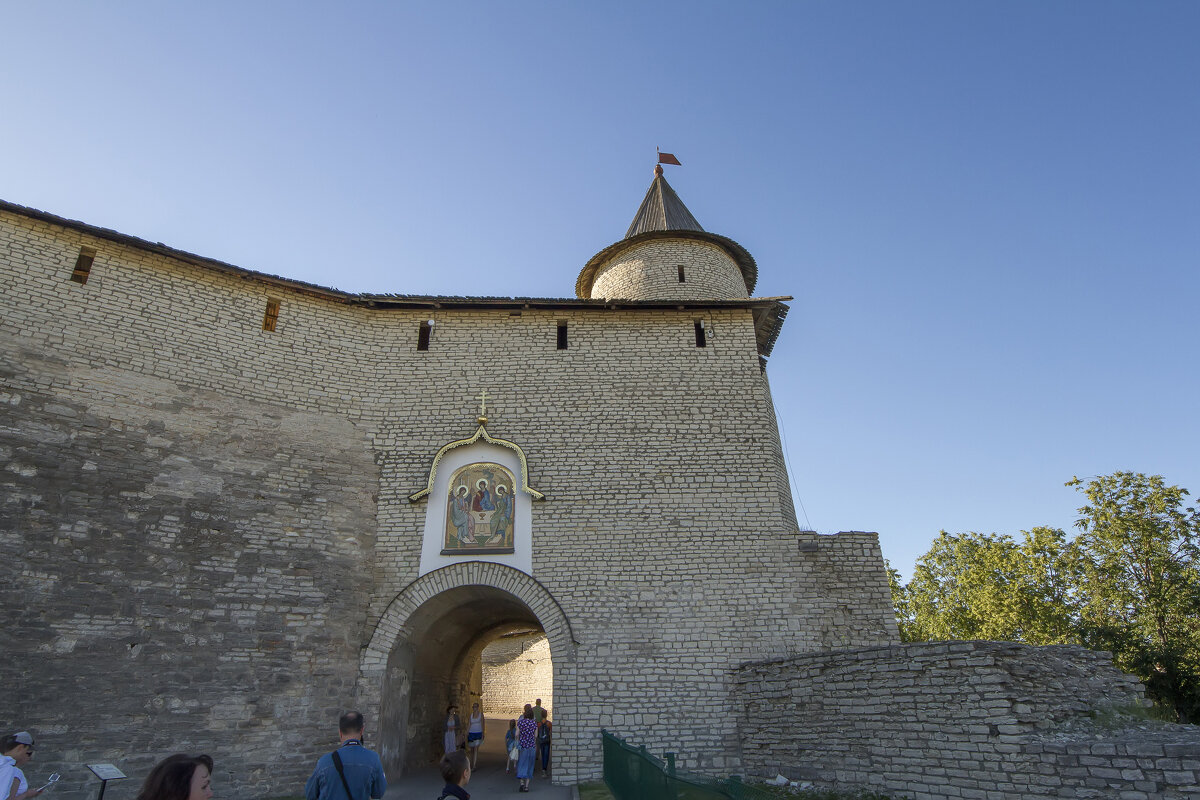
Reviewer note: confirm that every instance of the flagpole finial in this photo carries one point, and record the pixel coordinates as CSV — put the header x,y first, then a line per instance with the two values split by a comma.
x,y
658,170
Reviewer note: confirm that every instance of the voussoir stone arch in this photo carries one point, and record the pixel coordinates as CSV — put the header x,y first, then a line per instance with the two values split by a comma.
x,y
393,625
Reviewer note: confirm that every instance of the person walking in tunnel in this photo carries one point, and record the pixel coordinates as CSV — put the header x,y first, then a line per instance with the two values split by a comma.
x,y
475,724
527,741
510,747
453,727
543,742
539,712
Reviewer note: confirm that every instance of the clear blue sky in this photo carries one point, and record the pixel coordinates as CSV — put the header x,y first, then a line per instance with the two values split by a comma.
x,y
988,213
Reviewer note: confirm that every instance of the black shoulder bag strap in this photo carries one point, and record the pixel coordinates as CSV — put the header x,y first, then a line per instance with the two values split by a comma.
x,y
337,762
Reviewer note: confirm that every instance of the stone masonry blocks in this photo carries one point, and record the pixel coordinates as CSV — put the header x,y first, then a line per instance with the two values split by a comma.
x,y
212,520
952,719
650,271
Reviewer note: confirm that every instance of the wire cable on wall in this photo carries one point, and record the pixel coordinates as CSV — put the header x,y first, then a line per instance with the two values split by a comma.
x,y
787,462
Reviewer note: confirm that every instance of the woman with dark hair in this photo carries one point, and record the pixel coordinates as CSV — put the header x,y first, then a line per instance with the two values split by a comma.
x,y
527,741
179,777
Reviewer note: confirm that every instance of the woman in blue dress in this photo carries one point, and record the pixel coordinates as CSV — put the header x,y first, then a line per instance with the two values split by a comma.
x,y
527,740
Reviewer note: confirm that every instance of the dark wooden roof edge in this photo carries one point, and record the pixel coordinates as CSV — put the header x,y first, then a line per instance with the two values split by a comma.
x,y
768,322
740,255
564,303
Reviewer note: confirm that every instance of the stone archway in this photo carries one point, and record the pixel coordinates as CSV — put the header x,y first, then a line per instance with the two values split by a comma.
x,y
427,640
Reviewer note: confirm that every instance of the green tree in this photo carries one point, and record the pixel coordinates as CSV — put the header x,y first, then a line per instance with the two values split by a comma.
x,y
984,586
1045,602
900,603
1138,565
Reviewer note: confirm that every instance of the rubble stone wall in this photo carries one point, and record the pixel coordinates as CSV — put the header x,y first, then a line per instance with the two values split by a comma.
x,y
962,720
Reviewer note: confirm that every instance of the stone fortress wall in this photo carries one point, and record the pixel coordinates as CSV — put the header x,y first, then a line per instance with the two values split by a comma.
x,y
210,545
942,720
211,519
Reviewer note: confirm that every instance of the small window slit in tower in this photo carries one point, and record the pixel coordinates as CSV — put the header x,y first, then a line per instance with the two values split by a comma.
x,y
83,265
423,336
562,335
272,314
701,336
681,278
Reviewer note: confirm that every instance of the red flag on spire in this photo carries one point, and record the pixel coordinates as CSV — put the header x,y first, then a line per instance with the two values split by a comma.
x,y
667,158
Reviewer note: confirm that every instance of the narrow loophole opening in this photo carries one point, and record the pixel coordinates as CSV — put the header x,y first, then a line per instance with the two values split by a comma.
x,y
83,265
272,314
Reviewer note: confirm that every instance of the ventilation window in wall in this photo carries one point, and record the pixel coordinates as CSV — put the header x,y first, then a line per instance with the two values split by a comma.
x,y
83,265
423,334
562,335
701,334
681,278
272,314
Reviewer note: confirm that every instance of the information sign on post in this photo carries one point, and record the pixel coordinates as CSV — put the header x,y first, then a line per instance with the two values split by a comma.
x,y
106,773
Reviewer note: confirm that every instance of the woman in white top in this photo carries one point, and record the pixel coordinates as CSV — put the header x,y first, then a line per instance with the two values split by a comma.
x,y
475,733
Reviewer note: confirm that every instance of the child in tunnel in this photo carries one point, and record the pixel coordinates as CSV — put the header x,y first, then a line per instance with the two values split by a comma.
x,y
510,746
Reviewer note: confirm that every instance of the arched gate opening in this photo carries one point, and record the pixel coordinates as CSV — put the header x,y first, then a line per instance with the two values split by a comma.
x,y
426,653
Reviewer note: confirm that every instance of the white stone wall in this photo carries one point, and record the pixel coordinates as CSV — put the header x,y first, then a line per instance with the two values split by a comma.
x,y
516,671
664,536
650,271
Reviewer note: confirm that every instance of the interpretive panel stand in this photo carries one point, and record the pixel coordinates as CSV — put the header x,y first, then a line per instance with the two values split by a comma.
x,y
106,773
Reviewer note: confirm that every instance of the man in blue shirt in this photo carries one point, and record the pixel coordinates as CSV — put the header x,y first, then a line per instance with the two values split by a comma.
x,y
352,772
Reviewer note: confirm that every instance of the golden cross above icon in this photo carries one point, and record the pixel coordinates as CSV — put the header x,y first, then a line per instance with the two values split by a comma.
x,y
482,397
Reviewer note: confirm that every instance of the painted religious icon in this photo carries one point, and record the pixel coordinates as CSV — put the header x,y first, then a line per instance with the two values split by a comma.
x,y
480,511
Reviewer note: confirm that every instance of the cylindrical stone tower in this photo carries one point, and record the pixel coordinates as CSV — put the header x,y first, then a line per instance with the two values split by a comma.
x,y
666,255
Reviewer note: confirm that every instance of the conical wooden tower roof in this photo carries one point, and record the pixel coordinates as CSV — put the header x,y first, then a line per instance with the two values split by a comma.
x,y
661,210
662,215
